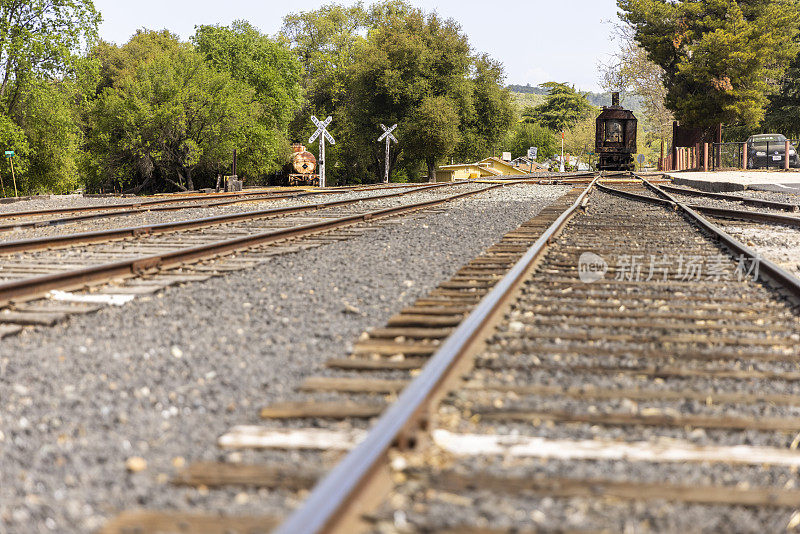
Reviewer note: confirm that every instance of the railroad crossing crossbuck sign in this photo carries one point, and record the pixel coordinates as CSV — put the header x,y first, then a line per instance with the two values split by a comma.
x,y
323,134
387,135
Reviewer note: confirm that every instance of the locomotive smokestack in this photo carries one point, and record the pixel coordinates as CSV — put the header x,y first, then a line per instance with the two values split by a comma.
x,y
615,98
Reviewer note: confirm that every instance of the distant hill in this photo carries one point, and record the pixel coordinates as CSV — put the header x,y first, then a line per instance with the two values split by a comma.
x,y
527,95
532,89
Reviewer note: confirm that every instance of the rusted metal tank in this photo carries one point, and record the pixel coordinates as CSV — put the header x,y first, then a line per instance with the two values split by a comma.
x,y
304,165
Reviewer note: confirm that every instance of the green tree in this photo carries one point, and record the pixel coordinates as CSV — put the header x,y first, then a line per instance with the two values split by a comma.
x,y
525,135
325,42
265,64
417,70
783,110
562,109
49,118
489,114
40,40
718,56
272,70
40,44
12,138
432,131
171,118
579,139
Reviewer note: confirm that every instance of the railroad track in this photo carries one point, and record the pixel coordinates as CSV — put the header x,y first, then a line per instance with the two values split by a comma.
x,y
532,392
773,232
446,306
143,260
37,218
721,208
739,199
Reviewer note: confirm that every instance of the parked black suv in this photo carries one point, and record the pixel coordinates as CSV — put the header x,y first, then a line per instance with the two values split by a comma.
x,y
767,150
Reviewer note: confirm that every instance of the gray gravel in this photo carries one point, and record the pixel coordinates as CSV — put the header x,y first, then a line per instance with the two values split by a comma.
x,y
778,243
434,511
164,376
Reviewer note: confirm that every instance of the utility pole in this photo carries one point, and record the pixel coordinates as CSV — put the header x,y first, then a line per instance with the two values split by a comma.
x,y
387,135
532,153
323,134
561,167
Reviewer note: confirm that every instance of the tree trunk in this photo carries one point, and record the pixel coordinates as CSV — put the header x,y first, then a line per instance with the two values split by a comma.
x,y
189,181
176,184
431,170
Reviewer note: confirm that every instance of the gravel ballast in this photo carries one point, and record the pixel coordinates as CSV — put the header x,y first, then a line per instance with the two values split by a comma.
x,y
164,376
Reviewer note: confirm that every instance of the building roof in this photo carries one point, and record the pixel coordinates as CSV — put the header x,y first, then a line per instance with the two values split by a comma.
x,y
497,161
472,166
524,164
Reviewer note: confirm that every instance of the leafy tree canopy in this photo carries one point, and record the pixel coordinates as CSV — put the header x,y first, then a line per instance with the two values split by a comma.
x,y
40,39
325,43
525,135
170,116
562,109
40,46
719,57
418,70
783,110
267,65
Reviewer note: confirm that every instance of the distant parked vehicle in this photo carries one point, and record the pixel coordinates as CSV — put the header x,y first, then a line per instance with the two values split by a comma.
x,y
768,150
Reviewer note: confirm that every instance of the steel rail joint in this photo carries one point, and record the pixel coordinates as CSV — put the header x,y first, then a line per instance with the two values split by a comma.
x,y
636,196
767,270
329,498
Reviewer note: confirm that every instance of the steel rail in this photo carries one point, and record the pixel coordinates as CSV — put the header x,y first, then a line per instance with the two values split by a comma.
x,y
767,269
138,208
132,211
747,201
727,213
755,216
37,243
326,508
36,286
201,199
240,197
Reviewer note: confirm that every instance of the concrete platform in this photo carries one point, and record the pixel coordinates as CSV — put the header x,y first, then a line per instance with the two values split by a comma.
x,y
721,181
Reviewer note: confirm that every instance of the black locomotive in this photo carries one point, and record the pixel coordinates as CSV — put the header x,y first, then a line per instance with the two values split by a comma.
x,y
615,139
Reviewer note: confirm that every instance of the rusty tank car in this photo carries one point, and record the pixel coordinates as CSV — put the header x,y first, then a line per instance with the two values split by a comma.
x,y
303,167
615,139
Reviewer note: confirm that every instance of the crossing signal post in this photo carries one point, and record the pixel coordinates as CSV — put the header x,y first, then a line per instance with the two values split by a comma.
x,y
10,157
323,134
387,135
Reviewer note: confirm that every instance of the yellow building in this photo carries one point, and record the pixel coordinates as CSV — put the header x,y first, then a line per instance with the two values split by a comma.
x,y
487,168
463,171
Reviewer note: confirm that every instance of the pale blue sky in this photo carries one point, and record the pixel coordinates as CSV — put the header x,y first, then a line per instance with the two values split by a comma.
x,y
538,40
